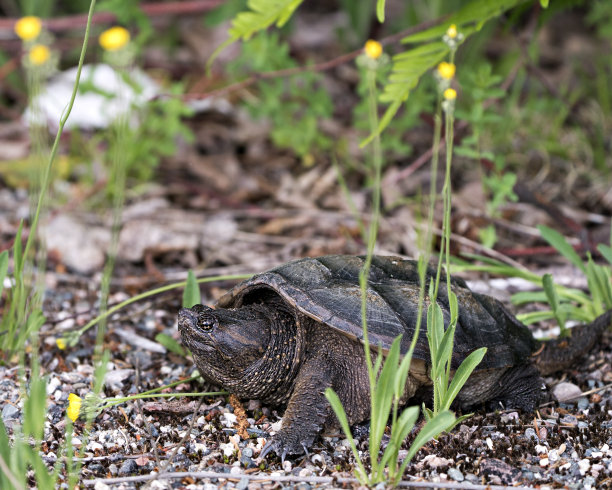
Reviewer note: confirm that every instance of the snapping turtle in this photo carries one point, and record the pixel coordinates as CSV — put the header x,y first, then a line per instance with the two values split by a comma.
x,y
287,334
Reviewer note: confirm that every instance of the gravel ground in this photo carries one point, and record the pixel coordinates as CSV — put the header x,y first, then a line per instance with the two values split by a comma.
x,y
563,445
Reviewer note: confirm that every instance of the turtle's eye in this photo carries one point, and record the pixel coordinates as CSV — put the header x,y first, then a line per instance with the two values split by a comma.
x,y
206,321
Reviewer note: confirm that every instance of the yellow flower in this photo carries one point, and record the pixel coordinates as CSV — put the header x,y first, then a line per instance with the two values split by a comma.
x,y
114,38
450,94
446,70
61,343
452,31
39,54
28,28
74,406
373,49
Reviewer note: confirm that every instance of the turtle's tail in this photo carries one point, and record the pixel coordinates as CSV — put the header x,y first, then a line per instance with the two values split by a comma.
x,y
557,354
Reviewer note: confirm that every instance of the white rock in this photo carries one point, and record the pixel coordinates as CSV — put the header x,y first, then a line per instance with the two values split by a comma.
x,y
566,391
53,384
228,449
540,449
229,419
544,462
92,109
584,465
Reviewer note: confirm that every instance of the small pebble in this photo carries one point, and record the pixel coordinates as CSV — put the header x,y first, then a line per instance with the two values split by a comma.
x,y
10,412
584,465
583,403
565,391
530,433
242,484
544,462
128,467
455,474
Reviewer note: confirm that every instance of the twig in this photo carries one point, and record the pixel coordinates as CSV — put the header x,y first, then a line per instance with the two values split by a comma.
x,y
162,468
151,9
323,66
291,478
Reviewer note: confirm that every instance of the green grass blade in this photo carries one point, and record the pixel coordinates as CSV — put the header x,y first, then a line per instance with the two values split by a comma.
x,y
191,293
606,251
169,343
380,11
558,241
338,409
462,374
445,349
431,429
4,259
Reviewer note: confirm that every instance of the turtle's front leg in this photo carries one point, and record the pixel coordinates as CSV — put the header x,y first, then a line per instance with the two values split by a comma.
x,y
306,411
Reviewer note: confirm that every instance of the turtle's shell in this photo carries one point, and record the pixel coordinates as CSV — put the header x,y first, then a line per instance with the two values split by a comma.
x,y
327,290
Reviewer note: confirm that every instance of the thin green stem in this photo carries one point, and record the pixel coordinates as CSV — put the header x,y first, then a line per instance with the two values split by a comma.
x,y
47,171
152,292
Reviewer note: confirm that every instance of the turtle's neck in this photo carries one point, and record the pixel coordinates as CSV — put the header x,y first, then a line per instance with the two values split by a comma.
x,y
271,377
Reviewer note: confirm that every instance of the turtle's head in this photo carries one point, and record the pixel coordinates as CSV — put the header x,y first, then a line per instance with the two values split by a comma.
x,y
224,342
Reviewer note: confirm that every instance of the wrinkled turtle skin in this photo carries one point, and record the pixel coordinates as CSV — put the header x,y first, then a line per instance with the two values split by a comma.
x,y
286,335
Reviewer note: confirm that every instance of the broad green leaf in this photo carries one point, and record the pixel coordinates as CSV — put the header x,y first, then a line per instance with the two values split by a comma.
x,y
544,4
169,343
605,251
462,374
560,243
191,294
445,349
553,300
338,409
380,11
431,429
599,285
34,408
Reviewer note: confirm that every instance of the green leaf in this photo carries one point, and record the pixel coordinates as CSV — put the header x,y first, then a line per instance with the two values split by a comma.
x,y
169,343
553,300
431,429
605,251
3,268
558,241
263,14
462,374
544,4
476,13
445,350
338,409
191,294
18,253
34,408
380,11
598,279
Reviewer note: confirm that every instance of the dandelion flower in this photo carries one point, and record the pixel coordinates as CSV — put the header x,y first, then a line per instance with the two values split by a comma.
x,y
39,54
61,343
373,49
450,94
74,406
28,28
446,70
451,32
114,38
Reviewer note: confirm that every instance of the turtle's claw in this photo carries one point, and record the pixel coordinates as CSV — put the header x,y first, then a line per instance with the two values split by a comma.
x,y
282,448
